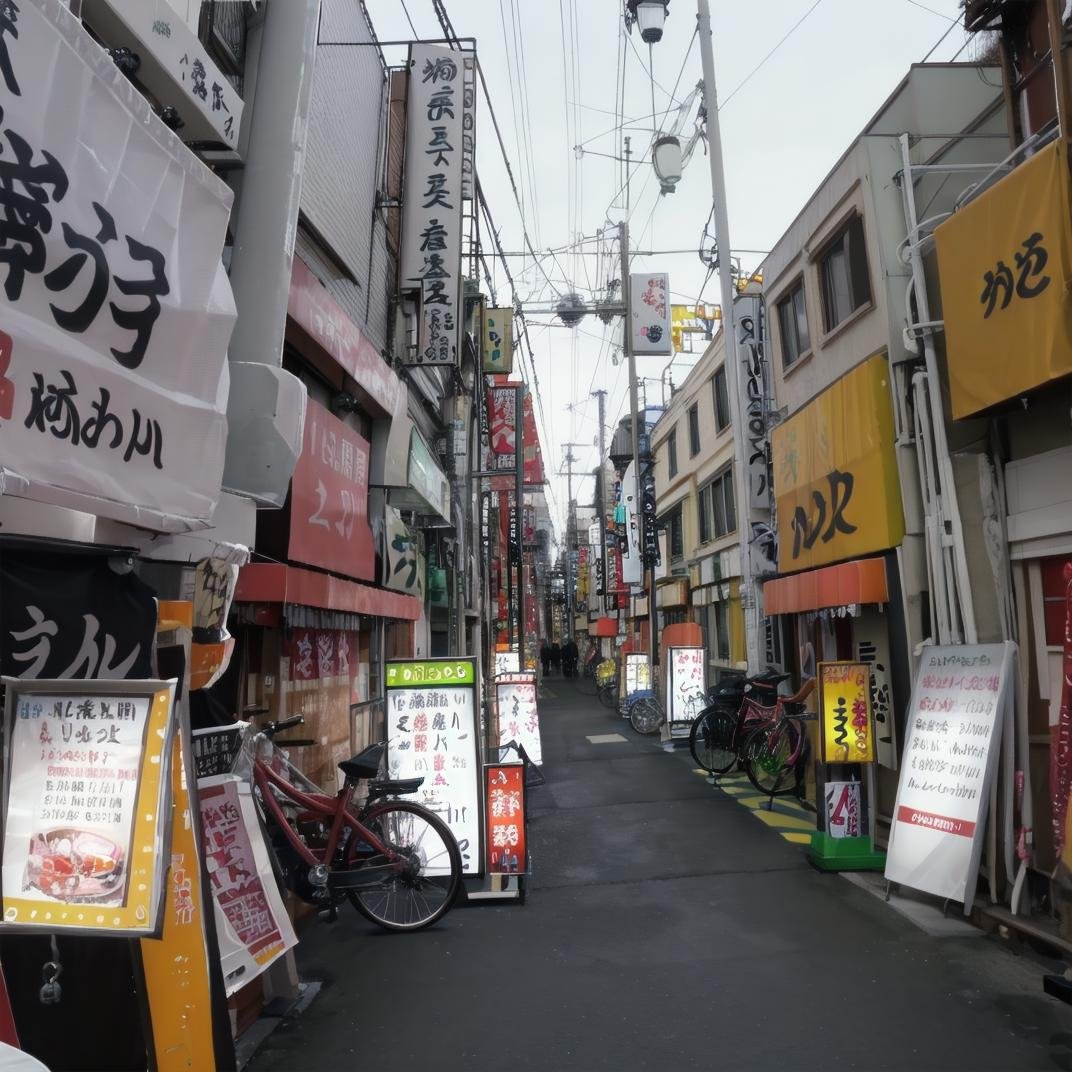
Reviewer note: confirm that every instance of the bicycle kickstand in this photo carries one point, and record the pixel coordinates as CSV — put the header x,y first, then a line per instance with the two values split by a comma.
x,y
330,914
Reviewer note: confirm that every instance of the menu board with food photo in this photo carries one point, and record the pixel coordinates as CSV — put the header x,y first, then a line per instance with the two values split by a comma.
x,y
87,805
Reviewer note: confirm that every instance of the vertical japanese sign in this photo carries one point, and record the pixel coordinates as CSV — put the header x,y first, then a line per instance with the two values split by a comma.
x,y
845,709
432,734
113,352
432,214
649,306
468,128
88,777
243,882
843,810
685,690
632,565
519,718
498,334
532,466
403,556
637,675
502,415
504,792
329,524
961,699
751,379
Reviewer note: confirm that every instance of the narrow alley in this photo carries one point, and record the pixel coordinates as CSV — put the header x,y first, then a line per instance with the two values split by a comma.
x,y
665,928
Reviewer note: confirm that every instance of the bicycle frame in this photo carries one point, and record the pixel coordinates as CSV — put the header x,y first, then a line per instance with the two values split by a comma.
x,y
318,805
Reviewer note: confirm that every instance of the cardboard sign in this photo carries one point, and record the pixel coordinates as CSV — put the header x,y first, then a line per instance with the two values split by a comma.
x,y
519,719
961,698
88,776
432,734
845,707
504,792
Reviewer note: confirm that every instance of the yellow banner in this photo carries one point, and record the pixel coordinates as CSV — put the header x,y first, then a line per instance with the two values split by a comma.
x,y
498,334
835,473
845,709
1004,262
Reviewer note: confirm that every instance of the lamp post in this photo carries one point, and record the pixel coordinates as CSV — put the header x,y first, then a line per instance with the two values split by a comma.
x,y
649,16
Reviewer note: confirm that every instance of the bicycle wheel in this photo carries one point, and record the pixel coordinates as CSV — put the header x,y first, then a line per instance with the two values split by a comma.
x,y
608,695
422,889
770,757
711,740
645,716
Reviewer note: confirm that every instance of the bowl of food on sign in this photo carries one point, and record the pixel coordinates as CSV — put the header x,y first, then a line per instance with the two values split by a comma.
x,y
74,865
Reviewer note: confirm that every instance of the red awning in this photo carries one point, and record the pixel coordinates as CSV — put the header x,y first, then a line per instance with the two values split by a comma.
x,y
604,627
862,581
271,582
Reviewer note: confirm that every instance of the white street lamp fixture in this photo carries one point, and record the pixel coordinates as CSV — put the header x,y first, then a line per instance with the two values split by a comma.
x,y
666,158
649,15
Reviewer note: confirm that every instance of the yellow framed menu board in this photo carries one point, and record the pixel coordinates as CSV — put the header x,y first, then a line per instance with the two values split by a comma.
x,y
87,805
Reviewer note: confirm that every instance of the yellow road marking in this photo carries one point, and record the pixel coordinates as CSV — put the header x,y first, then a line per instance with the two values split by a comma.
x,y
773,818
798,839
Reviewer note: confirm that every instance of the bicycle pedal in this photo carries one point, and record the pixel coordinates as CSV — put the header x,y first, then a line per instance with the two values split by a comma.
x,y
329,914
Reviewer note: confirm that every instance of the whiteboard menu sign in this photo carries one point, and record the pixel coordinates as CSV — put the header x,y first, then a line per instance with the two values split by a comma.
x,y
685,693
507,662
961,697
519,721
432,734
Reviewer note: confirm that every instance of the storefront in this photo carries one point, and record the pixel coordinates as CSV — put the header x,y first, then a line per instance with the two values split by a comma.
x,y
840,523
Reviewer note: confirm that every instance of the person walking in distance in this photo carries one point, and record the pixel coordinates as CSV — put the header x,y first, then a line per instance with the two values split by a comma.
x,y
569,657
556,658
545,657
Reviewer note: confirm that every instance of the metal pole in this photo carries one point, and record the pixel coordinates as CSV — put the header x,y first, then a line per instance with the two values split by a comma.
x,y
519,495
742,491
1060,71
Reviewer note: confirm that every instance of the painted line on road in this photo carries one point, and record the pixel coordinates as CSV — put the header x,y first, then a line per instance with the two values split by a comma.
x,y
786,815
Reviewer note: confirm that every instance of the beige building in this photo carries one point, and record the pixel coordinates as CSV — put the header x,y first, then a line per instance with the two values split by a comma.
x,y
694,481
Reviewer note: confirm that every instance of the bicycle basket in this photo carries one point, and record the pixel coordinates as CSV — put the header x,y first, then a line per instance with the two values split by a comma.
x,y
606,672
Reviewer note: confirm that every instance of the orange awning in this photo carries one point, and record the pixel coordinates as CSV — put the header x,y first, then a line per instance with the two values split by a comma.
x,y
862,581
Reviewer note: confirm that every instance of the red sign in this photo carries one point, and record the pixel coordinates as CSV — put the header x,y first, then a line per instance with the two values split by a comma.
x,y
319,654
530,441
944,823
502,414
504,793
329,498
311,307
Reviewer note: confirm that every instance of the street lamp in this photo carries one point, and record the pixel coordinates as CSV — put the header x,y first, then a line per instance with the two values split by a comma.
x,y
649,15
666,158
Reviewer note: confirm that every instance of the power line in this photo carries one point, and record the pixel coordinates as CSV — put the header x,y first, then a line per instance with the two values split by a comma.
x,y
408,19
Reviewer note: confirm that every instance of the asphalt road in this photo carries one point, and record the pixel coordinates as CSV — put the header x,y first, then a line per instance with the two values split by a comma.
x,y
664,928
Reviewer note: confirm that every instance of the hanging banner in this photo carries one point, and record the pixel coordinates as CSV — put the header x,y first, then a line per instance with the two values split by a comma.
x,y
843,810
632,565
468,128
845,709
498,336
751,381
533,458
244,887
502,411
431,253
88,796
404,565
504,792
329,524
686,694
113,350
649,306
517,713
961,699
432,734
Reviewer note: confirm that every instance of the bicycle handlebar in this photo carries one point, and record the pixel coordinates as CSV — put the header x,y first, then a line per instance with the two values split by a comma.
x,y
270,729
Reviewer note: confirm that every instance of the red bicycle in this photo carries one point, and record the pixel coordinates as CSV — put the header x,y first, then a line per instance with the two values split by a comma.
x,y
397,862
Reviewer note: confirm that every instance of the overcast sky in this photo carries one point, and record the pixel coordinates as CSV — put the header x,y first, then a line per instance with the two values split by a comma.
x,y
781,132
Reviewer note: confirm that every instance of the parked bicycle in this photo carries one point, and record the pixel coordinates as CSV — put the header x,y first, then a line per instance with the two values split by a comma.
x,y
646,713
395,861
738,708
607,683
775,755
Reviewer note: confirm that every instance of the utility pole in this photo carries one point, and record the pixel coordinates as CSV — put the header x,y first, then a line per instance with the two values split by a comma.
x,y
571,533
601,493
742,490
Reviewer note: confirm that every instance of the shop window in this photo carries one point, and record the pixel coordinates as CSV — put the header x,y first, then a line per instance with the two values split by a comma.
x,y
694,430
793,326
720,506
722,399
704,513
843,275
671,453
676,534
222,29
722,630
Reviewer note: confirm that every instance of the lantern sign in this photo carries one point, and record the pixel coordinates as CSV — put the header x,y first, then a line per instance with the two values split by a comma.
x,y
686,694
845,704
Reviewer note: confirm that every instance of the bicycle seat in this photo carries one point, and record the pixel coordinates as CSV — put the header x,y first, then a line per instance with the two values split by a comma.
x,y
366,764
397,787
768,677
